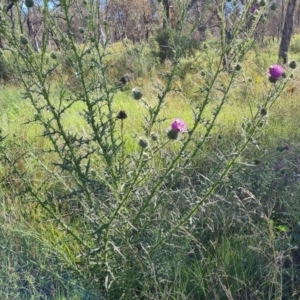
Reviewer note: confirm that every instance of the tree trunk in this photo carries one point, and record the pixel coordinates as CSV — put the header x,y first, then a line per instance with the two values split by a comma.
x,y
287,31
166,5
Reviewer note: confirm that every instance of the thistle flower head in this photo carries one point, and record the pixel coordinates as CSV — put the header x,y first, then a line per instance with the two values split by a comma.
x,y
276,71
283,148
253,9
179,125
122,115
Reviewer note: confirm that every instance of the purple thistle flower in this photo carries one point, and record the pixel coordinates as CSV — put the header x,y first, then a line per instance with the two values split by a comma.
x,y
179,125
253,9
276,71
283,148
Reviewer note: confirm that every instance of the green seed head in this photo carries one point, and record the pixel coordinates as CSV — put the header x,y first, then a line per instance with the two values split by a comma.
x,y
263,112
23,40
143,143
273,6
172,134
154,136
238,67
293,65
262,3
29,3
272,79
137,94
53,55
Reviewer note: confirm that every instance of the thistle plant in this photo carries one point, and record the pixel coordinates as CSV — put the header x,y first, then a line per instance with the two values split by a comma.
x,y
110,203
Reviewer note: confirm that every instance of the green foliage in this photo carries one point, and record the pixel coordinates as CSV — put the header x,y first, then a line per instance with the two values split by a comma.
x,y
6,71
295,44
131,60
187,66
168,41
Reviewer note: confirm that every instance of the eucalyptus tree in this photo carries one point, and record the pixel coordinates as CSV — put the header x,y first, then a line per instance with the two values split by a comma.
x,y
287,31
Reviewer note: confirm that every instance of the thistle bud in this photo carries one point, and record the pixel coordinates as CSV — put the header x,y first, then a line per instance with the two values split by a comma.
x,y
272,79
53,55
143,143
276,71
154,136
293,65
29,3
262,3
137,94
122,115
263,112
23,40
172,134
238,67
273,6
